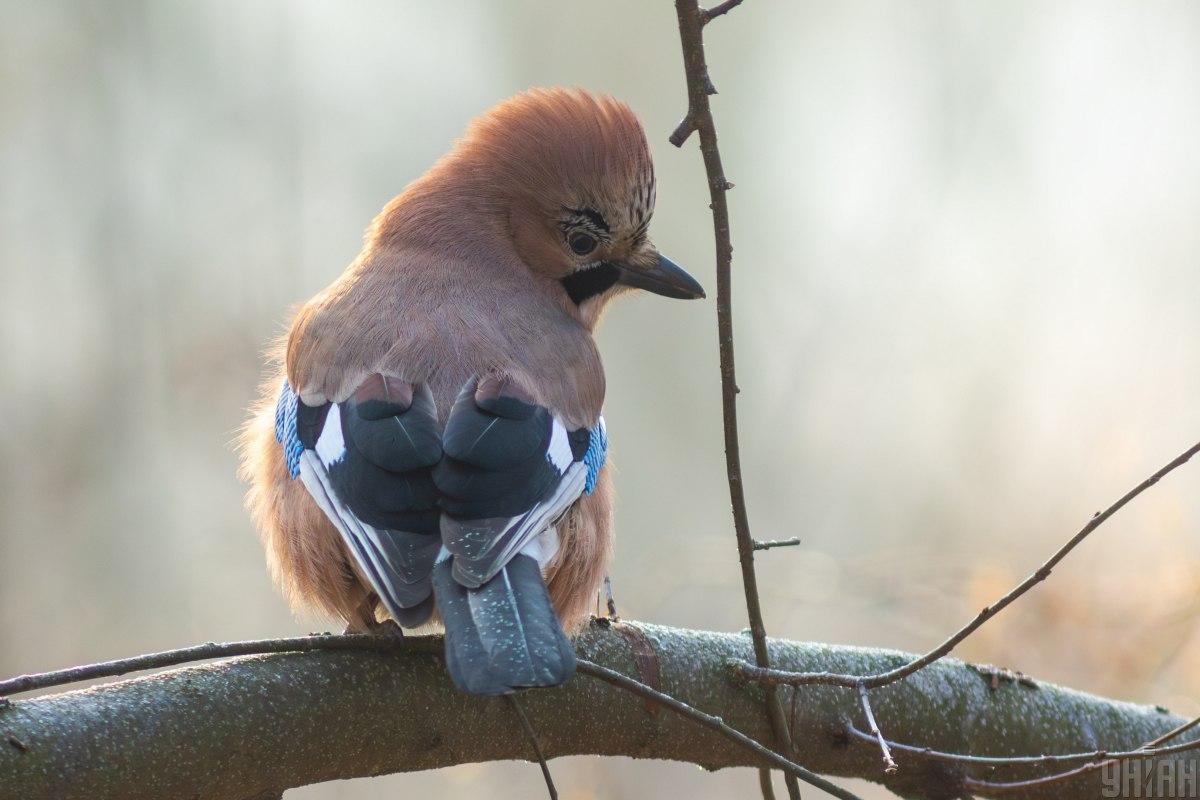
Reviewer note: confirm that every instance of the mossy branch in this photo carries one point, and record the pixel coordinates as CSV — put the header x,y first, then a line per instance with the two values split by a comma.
x,y
257,725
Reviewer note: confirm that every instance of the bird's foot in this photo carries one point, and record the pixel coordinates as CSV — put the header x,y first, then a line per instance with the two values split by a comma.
x,y
386,628
366,623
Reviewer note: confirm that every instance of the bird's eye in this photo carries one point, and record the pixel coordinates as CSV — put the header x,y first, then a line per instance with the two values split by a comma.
x,y
581,243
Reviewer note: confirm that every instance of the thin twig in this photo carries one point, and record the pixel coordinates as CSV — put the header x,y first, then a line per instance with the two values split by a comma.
x,y
1006,787
1094,760
531,735
713,723
707,15
772,677
1148,750
889,764
691,37
1145,751
764,784
211,650
682,131
1171,734
773,543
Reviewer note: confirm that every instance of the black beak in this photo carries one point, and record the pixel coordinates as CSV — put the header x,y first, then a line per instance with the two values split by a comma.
x,y
665,277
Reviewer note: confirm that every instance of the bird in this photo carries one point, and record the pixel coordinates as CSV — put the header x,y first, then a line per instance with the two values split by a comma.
x,y
428,446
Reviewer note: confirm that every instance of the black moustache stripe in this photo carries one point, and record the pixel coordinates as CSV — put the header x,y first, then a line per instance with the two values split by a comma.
x,y
587,283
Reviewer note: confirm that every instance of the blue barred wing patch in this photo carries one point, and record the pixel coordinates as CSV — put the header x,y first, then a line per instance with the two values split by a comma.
x,y
595,455
285,429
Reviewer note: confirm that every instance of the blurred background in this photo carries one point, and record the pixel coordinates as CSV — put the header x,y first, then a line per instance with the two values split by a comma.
x,y
967,294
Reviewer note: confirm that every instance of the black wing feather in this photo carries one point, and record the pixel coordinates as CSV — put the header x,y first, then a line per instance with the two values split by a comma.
x,y
369,463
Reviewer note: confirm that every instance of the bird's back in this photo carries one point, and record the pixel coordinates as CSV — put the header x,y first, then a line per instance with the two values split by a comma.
x,y
438,320
401,315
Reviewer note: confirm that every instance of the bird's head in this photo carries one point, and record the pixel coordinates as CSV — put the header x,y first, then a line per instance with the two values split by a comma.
x,y
577,185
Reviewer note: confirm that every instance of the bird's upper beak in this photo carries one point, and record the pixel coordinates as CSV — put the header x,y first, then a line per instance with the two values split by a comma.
x,y
663,277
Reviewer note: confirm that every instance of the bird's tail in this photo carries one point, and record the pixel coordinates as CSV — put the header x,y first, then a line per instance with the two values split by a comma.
x,y
504,635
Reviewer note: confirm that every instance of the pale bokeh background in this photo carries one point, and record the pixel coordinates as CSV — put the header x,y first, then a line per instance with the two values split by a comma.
x,y
968,284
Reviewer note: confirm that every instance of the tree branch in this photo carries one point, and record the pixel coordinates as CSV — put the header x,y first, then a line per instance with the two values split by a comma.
x,y
255,726
775,676
692,20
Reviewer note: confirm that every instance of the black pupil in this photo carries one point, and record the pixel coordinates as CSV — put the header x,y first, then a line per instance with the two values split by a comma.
x,y
581,243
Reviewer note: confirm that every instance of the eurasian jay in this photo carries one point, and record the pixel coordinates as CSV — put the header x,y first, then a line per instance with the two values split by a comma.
x,y
431,433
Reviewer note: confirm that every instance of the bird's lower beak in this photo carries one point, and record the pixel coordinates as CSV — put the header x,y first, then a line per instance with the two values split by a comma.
x,y
664,277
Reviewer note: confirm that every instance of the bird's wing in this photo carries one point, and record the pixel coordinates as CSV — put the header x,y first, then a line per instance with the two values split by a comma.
x,y
510,469
367,462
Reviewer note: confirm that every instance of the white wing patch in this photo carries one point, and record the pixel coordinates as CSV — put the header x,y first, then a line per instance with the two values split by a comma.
x,y
374,557
559,450
330,445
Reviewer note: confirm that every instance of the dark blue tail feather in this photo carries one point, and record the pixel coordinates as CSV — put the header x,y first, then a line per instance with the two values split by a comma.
x,y
503,636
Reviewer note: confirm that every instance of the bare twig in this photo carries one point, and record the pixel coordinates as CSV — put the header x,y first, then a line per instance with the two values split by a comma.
x,y
682,131
768,676
714,723
889,764
773,543
1094,760
1171,734
687,125
764,784
699,117
1146,751
707,15
531,735
211,650
1007,787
